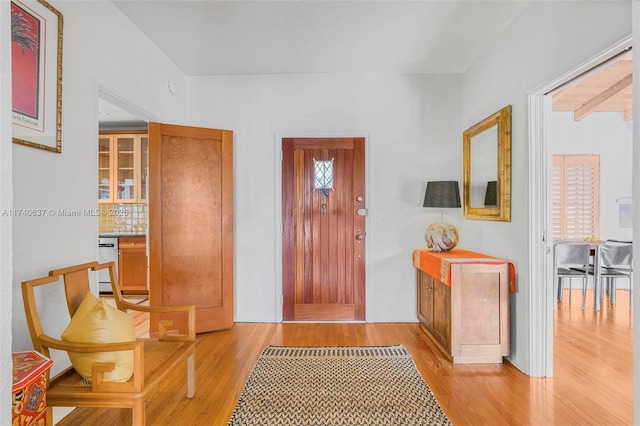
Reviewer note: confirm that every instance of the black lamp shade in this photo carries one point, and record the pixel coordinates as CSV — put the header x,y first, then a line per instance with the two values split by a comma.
x,y
443,194
491,196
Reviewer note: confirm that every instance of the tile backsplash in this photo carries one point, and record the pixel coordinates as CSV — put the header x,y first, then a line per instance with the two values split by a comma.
x,y
123,218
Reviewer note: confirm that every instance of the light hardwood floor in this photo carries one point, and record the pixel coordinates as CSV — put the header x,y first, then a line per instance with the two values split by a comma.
x,y
592,383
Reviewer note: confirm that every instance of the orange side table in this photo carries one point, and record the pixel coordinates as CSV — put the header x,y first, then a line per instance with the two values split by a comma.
x,y
29,388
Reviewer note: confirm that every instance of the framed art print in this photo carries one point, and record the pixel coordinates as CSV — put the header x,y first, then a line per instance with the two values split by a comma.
x,y
36,73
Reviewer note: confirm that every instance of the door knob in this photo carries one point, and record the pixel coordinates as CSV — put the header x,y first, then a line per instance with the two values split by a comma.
x,y
359,236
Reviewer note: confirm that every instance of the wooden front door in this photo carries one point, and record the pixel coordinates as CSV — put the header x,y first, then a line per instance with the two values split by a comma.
x,y
323,244
191,222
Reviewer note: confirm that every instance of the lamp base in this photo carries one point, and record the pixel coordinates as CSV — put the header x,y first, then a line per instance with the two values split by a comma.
x,y
441,236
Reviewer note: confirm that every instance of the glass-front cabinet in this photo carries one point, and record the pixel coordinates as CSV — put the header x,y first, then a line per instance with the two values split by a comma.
x,y
104,168
122,168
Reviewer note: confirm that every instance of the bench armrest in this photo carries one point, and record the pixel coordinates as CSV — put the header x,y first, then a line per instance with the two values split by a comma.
x,y
190,310
62,345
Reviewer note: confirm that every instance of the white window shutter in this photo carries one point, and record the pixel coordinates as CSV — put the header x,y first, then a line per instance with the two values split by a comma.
x,y
576,212
557,197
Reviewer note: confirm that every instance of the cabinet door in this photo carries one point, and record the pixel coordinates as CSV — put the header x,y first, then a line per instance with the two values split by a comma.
x,y
425,300
125,168
442,313
104,169
132,265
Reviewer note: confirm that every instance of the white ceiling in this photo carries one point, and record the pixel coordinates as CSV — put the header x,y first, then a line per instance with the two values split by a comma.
x,y
241,37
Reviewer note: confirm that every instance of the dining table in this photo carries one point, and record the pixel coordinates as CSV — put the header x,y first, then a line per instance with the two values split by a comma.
x,y
595,255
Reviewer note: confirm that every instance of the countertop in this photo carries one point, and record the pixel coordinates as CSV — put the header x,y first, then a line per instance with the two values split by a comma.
x,y
120,235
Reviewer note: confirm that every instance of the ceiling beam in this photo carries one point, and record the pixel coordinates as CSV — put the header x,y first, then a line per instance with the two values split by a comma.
x,y
628,114
594,103
557,97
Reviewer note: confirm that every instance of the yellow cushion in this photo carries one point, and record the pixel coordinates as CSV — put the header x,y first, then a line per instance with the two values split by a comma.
x,y
95,321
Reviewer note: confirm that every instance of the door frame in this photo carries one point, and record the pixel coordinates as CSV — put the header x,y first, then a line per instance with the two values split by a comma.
x,y
105,94
102,92
278,136
541,297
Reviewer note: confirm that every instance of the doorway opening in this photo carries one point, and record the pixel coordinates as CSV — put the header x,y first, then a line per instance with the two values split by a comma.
x,y
542,296
122,187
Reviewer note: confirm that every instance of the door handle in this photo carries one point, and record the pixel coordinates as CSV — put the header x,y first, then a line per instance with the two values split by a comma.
x,y
359,236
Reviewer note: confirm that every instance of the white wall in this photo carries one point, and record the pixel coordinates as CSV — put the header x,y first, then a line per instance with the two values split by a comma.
x,y
6,289
100,46
608,135
411,124
544,41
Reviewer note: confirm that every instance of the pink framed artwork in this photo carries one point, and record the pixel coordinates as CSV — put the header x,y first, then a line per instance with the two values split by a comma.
x,y
36,73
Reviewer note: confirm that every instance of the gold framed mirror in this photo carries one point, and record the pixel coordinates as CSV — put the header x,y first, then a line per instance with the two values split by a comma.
x,y
487,168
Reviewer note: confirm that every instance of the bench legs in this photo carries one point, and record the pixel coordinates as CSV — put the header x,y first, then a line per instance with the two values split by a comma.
x,y
137,413
191,377
138,409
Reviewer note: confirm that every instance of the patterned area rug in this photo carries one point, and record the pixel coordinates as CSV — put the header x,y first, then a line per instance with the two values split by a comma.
x,y
332,386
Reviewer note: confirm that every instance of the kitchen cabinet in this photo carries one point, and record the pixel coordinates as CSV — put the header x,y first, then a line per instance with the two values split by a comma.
x,y
468,318
123,167
132,265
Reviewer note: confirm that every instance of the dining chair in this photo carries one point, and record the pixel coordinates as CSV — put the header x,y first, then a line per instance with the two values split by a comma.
x,y
571,260
615,260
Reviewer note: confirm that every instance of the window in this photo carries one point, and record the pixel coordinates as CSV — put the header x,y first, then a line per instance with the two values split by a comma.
x,y
322,175
576,196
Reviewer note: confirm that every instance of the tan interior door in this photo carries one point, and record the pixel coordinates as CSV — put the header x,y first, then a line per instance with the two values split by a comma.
x,y
323,229
191,222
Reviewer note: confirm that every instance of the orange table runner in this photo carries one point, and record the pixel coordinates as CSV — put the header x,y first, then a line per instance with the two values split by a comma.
x,y
438,264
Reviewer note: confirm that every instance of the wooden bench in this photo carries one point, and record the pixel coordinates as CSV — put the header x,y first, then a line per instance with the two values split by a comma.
x,y
154,358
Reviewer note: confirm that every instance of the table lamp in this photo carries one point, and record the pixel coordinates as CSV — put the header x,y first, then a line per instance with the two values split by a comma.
x,y
441,236
491,195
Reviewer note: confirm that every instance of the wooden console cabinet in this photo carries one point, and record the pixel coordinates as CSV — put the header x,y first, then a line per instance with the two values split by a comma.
x,y
468,319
